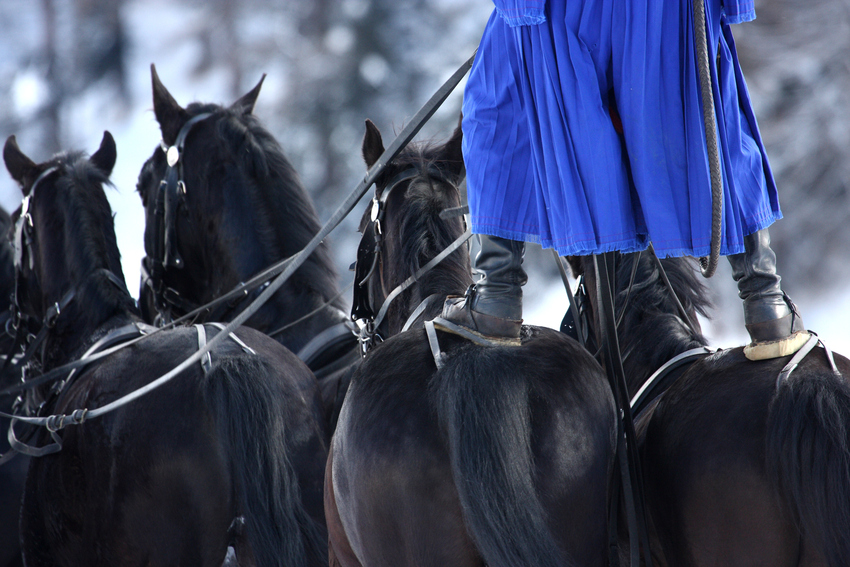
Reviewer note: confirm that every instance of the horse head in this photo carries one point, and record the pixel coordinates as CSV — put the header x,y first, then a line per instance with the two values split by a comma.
x,y
67,263
222,203
406,226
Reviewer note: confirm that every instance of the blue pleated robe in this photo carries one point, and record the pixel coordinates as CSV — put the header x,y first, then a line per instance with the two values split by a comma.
x,y
583,128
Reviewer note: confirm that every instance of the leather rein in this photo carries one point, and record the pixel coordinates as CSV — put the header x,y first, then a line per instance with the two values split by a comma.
x,y
276,275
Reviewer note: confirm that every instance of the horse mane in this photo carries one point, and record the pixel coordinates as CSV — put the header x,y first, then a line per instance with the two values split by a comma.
x,y
88,243
651,331
420,232
7,261
286,219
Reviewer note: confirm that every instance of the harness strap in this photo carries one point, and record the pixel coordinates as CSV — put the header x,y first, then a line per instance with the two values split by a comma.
x,y
54,423
801,354
439,355
329,338
627,443
61,370
679,307
460,241
206,360
235,339
423,306
580,334
656,384
454,212
47,325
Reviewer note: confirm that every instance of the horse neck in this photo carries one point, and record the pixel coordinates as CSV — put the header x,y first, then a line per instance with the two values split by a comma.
x,y
652,344
441,281
82,264
271,217
652,332
97,306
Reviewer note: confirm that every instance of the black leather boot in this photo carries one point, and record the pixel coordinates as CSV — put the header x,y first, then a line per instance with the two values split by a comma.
x,y
491,308
775,327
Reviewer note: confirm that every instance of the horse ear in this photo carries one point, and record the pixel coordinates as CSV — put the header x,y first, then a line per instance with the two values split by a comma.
x,y
21,168
373,144
452,152
170,115
245,105
104,157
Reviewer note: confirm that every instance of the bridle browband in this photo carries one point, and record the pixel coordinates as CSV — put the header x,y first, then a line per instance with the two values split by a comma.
x,y
169,198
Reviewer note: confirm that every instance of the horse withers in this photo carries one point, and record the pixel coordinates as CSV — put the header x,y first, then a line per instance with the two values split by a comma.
x,y
229,452
741,467
222,204
502,455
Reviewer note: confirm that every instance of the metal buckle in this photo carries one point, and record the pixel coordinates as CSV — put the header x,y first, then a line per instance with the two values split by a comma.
x,y
52,315
367,336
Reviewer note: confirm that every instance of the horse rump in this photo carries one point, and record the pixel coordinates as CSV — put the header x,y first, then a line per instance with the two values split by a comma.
x,y
253,417
531,439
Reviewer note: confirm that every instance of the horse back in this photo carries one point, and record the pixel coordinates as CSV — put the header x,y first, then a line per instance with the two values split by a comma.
x,y
156,479
410,431
710,468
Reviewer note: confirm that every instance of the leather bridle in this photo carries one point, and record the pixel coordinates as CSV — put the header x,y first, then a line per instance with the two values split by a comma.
x,y
22,319
370,318
169,198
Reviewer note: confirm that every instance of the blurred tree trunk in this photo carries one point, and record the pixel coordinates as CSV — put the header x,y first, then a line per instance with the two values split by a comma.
x,y
101,45
52,136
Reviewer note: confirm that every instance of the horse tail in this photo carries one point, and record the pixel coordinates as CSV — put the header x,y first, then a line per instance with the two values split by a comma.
x,y
808,457
483,405
241,393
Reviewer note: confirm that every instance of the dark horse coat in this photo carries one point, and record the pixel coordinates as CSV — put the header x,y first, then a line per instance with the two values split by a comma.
x,y
14,473
501,457
740,469
167,478
243,210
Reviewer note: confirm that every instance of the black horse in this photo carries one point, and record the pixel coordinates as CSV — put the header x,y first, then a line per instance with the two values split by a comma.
x,y
228,207
14,473
231,451
503,455
741,468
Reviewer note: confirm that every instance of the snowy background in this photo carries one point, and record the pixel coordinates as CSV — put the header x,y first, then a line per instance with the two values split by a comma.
x,y
70,69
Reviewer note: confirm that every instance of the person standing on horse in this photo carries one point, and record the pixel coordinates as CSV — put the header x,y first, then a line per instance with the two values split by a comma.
x,y
583,131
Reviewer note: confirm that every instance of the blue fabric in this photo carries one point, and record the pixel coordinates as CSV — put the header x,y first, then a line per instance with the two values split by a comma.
x,y
739,11
521,12
546,162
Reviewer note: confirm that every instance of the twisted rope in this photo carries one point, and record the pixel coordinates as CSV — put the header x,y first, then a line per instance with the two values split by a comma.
x,y
709,265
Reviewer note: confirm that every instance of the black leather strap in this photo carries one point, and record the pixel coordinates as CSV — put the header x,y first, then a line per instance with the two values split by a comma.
x,y
627,454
